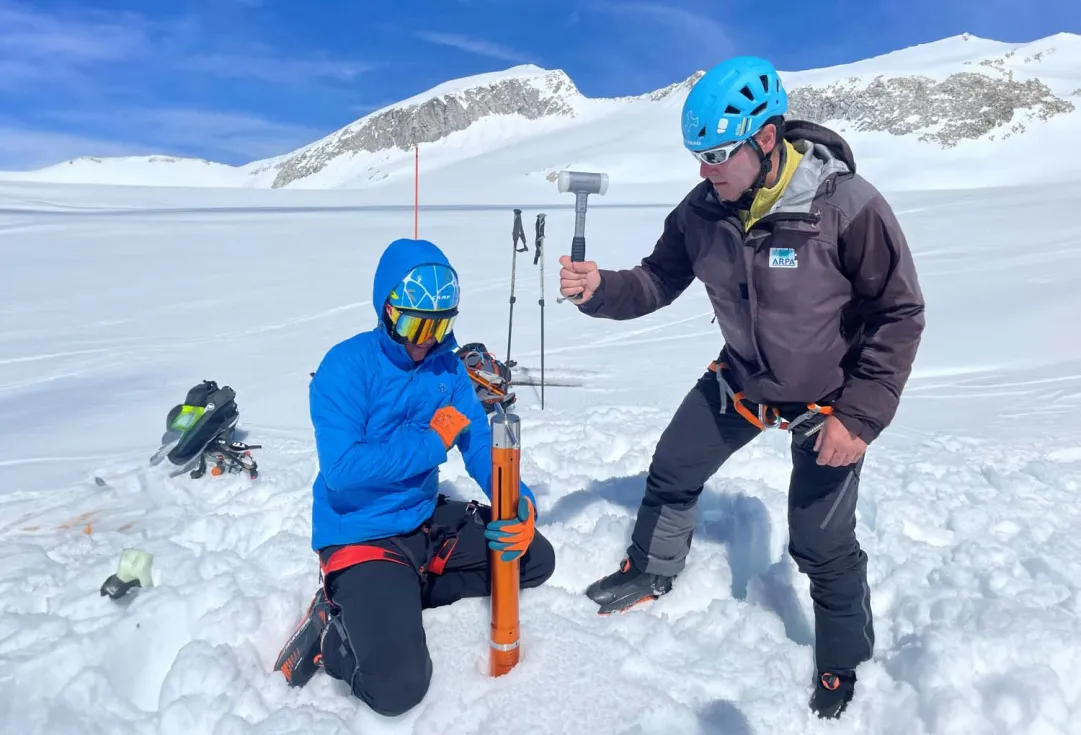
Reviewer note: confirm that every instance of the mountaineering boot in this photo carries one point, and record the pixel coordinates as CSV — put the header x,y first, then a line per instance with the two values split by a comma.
x,y
623,589
833,692
302,654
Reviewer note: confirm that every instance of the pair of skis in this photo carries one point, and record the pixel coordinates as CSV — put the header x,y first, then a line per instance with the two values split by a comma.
x,y
518,233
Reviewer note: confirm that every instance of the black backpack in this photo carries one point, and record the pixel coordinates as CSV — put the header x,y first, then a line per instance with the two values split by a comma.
x,y
202,427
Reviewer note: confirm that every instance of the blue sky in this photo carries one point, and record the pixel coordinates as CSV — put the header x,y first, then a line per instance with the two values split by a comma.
x,y
238,80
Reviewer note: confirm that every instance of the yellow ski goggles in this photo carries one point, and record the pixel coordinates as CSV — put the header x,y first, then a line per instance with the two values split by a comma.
x,y
420,326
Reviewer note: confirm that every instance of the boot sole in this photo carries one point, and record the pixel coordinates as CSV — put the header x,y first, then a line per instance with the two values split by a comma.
x,y
607,610
293,655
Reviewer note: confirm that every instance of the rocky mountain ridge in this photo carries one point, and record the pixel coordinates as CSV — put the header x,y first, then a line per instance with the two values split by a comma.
x,y
964,105
403,126
522,124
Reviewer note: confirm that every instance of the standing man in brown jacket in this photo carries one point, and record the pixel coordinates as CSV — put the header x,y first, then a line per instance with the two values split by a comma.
x,y
817,299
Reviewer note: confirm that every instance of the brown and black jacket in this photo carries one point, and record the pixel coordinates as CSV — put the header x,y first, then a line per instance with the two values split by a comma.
x,y
818,302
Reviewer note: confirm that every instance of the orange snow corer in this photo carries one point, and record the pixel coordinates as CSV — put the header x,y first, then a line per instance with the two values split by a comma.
x,y
503,648
769,417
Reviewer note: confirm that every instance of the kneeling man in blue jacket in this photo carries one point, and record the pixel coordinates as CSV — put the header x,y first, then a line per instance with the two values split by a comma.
x,y
387,406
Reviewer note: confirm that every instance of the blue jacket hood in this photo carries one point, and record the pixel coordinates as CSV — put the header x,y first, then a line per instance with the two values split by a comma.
x,y
400,257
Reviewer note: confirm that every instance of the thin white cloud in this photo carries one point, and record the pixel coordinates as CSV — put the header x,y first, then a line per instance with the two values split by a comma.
x,y
654,43
687,34
221,135
25,149
290,71
14,73
473,45
37,45
30,34
78,60
236,134
692,26
232,136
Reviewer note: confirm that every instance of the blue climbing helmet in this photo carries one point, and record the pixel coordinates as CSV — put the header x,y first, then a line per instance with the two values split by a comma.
x,y
424,304
728,104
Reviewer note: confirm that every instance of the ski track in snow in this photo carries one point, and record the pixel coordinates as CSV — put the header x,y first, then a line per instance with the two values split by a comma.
x,y
969,519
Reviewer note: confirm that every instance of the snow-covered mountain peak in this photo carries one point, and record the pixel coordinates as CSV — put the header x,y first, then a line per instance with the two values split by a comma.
x,y
527,91
548,83
961,88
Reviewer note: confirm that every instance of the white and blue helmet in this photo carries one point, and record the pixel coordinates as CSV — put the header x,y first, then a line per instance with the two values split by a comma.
x,y
429,287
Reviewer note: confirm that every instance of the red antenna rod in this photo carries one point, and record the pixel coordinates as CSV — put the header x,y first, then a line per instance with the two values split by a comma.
x,y
416,193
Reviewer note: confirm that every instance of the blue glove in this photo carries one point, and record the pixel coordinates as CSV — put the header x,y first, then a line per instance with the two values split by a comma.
x,y
513,536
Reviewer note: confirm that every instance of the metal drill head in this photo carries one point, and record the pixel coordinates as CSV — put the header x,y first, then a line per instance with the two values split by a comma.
x,y
580,181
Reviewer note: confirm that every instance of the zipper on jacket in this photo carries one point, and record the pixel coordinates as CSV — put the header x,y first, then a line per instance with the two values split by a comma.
x,y
748,255
748,260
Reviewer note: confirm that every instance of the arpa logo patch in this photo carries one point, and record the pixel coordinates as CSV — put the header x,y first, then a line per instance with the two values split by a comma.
x,y
782,258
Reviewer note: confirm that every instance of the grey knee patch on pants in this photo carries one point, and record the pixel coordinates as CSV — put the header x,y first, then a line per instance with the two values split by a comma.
x,y
697,441
666,532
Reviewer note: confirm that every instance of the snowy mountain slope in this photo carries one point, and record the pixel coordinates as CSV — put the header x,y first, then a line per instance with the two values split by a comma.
x,y
956,113
522,94
133,171
967,506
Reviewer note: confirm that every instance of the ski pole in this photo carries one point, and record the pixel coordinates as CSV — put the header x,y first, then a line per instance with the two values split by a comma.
x,y
538,256
503,649
518,233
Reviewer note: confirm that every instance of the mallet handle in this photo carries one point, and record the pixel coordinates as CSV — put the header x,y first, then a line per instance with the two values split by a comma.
x,y
578,249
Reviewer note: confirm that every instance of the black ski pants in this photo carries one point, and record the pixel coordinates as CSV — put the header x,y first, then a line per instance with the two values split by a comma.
x,y
375,640
821,516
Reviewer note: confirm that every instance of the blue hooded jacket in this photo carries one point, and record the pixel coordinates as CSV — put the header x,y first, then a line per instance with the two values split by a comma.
x,y
371,406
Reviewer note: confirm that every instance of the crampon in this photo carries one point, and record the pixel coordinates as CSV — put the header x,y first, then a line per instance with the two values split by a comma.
x,y
491,378
225,455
